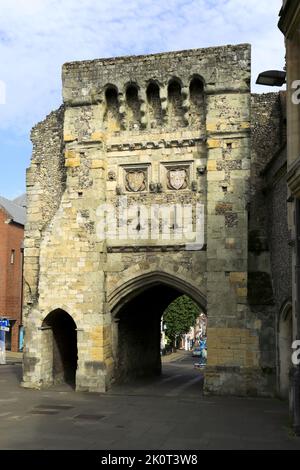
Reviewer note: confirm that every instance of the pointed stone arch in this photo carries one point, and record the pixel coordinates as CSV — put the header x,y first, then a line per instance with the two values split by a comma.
x,y
135,286
137,306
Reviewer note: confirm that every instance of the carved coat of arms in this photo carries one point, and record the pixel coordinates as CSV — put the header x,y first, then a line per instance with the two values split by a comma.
x,y
177,178
135,180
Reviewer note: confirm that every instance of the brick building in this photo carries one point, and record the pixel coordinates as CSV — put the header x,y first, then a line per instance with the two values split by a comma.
x,y
12,220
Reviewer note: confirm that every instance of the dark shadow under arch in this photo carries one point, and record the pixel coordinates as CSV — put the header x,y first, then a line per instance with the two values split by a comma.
x,y
175,103
137,308
197,103
137,285
154,105
112,118
133,107
60,337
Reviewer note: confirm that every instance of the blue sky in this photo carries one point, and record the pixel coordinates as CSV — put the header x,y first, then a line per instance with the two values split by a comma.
x,y
38,36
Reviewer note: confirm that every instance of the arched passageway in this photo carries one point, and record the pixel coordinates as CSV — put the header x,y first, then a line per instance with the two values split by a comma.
x,y
60,338
137,327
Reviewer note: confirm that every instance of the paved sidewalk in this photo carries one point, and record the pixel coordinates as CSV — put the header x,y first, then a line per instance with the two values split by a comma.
x,y
14,357
175,356
168,414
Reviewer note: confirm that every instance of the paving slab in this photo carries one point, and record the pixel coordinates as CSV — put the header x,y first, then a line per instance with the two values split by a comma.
x,y
160,414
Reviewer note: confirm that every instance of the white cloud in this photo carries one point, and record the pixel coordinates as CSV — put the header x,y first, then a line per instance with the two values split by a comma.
x,y
38,36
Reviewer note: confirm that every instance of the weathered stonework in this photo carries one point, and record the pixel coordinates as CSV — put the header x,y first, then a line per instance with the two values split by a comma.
x,y
160,129
268,139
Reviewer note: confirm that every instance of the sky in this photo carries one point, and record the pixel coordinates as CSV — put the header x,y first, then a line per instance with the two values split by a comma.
x,y
38,36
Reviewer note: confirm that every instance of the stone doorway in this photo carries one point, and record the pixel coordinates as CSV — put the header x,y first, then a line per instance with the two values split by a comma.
x,y
60,339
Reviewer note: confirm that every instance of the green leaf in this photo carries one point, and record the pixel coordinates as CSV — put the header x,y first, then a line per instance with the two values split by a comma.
x,y
180,316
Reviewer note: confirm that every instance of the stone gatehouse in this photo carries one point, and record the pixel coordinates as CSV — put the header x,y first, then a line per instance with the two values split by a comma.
x,y
166,129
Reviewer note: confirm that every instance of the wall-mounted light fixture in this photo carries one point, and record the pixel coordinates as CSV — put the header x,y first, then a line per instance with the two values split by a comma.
x,y
272,78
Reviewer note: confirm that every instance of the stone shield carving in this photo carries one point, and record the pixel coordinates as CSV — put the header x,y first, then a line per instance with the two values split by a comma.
x,y
177,178
135,180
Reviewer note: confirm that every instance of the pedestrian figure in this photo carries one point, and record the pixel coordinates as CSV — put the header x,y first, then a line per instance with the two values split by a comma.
x,y
2,348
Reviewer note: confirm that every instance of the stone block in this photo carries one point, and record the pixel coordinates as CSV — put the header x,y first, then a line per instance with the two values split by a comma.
x,y
238,277
72,162
212,165
69,138
98,136
215,176
213,143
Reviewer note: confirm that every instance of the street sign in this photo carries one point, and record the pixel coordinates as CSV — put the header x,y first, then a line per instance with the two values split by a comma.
x,y
4,328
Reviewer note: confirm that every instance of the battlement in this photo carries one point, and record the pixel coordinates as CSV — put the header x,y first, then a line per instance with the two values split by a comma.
x,y
225,68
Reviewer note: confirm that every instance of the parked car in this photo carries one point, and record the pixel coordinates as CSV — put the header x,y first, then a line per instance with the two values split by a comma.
x,y
197,352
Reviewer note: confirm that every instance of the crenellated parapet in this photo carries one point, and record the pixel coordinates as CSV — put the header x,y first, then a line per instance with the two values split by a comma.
x,y
154,106
168,92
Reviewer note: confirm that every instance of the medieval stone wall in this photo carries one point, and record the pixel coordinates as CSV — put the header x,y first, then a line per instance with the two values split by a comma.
x,y
280,246
267,137
267,140
167,128
45,186
278,233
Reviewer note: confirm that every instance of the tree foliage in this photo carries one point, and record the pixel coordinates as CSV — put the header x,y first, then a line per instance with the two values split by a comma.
x,y
179,317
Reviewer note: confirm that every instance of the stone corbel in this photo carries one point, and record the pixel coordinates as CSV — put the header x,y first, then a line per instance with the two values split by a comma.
x,y
159,188
201,170
153,187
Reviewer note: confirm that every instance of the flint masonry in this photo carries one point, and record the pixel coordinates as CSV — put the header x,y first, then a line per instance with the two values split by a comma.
x,y
170,128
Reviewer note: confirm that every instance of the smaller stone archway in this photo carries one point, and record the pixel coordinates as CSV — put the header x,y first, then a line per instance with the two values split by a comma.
x,y
284,345
60,345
